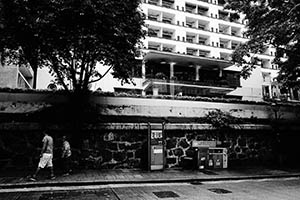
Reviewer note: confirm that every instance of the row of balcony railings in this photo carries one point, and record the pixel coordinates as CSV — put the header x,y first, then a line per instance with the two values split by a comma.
x,y
190,39
202,41
189,24
219,2
194,9
189,51
228,83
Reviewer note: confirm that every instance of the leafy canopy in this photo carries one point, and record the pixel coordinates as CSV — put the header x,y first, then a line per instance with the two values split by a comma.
x,y
275,23
72,36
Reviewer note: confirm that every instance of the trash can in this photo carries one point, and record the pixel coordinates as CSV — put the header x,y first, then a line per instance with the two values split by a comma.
x,y
217,158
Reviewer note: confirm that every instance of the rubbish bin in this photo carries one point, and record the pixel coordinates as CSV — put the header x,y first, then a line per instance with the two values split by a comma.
x,y
217,158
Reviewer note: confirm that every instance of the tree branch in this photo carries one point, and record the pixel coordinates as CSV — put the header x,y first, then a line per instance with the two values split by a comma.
x,y
55,67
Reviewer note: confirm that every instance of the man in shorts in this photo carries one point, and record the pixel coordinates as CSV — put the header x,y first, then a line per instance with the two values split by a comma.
x,y
46,156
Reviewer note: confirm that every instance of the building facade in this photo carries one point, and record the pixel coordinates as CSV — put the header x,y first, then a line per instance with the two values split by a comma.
x,y
187,51
16,76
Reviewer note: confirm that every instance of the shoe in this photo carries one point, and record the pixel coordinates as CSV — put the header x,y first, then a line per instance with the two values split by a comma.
x,y
32,179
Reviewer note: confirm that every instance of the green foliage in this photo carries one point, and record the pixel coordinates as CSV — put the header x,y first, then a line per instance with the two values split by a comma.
x,y
72,36
220,119
270,22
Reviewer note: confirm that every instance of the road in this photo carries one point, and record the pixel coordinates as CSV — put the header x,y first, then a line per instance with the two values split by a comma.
x,y
276,189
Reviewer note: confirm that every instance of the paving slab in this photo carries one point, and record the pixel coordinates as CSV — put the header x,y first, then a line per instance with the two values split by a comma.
x,y
121,176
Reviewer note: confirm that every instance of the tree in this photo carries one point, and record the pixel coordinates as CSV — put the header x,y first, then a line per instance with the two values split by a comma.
x,y
72,36
275,23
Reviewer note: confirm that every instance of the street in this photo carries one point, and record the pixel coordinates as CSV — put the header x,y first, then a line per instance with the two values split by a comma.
x,y
273,189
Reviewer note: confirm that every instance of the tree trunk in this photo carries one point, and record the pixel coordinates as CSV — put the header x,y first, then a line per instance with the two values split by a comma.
x,y
35,70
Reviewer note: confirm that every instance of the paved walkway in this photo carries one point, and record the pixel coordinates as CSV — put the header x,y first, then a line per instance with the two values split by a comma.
x,y
20,179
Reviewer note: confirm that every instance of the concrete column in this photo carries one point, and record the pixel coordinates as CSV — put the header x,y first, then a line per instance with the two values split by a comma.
x,y
197,72
172,69
221,72
172,89
155,91
143,69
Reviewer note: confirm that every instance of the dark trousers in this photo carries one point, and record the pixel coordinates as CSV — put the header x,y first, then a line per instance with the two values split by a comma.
x,y
66,164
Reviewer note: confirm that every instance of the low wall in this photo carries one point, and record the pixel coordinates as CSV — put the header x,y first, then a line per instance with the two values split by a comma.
x,y
121,145
153,107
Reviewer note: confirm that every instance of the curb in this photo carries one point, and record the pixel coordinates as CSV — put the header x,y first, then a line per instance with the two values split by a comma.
x,y
106,182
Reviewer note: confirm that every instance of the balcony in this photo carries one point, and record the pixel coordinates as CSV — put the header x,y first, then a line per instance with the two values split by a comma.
x,y
224,15
190,38
190,8
167,20
202,11
154,47
223,85
153,2
202,41
189,24
202,27
153,17
153,32
167,34
167,4
192,52
168,49
203,53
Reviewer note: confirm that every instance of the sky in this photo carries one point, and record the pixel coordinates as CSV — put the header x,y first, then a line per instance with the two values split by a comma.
x,y
107,83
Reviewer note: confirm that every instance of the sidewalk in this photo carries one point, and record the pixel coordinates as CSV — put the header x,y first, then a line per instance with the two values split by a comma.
x,y
97,177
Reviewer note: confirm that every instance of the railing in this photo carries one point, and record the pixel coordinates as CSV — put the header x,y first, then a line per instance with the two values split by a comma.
x,y
153,2
167,4
213,83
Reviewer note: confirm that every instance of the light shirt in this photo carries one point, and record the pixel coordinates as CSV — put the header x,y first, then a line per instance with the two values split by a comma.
x,y
48,142
66,151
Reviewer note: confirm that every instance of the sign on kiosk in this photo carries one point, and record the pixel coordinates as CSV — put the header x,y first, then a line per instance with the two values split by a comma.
x,y
156,148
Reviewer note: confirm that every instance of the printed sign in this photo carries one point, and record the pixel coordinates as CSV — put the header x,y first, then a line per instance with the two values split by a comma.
x,y
203,143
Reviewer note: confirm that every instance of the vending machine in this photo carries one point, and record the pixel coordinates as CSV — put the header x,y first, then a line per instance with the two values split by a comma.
x,y
156,148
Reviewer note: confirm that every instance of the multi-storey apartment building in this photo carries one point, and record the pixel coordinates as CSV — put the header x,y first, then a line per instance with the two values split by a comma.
x,y
187,51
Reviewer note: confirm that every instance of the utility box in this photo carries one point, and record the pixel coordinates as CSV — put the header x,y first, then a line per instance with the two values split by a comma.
x,y
217,158
156,149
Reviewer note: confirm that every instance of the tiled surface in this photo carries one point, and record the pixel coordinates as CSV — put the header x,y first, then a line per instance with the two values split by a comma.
x,y
10,178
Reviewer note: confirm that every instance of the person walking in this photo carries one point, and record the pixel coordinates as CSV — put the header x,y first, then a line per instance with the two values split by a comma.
x,y
46,157
66,156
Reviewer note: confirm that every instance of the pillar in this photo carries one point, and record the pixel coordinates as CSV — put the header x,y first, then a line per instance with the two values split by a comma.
x,y
143,69
197,72
172,69
172,89
221,72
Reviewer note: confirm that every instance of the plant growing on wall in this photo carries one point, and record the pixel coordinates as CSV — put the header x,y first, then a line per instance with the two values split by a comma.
x,y
221,120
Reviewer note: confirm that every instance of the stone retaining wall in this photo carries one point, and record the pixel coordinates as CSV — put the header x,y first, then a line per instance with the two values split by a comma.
x,y
128,149
249,148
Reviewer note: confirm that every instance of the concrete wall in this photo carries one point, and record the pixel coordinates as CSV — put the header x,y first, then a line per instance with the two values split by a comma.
x,y
151,107
183,108
124,148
